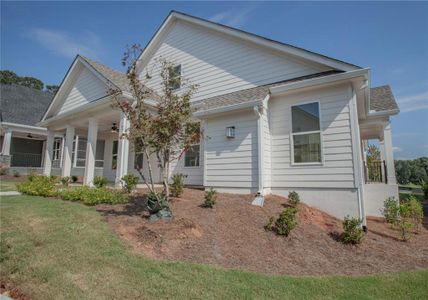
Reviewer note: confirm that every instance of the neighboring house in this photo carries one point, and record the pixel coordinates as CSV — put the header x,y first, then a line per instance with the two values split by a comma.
x,y
22,141
275,118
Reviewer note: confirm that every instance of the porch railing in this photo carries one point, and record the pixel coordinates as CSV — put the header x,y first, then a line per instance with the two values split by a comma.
x,y
375,172
30,160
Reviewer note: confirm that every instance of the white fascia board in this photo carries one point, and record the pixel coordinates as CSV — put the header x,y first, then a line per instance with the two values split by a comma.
x,y
24,128
148,102
280,89
225,109
383,113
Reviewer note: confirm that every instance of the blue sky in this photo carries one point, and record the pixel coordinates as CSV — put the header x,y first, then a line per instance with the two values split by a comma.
x,y
41,39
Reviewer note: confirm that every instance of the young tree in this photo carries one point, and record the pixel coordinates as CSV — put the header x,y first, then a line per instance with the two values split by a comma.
x,y
162,128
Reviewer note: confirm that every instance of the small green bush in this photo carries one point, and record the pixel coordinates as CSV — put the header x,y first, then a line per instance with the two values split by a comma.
x,y
210,198
65,181
129,182
177,185
425,189
352,231
293,198
416,212
411,216
270,225
94,196
74,178
100,181
156,202
391,210
286,221
38,185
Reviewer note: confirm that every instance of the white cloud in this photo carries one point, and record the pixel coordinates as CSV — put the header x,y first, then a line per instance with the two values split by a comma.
x,y
234,18
397,149
64,44
413,102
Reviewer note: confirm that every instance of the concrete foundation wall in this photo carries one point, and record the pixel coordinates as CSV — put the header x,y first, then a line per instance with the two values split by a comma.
x,y
374,196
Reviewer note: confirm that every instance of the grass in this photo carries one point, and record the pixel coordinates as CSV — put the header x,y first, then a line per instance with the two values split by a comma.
x,y
51,249
6,186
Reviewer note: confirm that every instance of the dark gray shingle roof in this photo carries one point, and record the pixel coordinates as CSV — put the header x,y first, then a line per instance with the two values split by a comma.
x,y
382,99
250,95
23,105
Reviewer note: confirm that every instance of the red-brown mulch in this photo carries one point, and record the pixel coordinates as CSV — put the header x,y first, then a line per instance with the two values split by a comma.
x,y
12,291
232,235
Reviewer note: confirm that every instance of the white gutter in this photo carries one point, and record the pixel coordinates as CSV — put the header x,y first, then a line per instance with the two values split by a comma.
x,y
280,89
22,126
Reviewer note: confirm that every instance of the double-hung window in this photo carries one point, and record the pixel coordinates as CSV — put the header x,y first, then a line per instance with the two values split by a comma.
x,y
174,78
79,152
56,154
191,157
306,133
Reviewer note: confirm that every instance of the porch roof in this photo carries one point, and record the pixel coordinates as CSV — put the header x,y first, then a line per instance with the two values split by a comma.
x,y
382,99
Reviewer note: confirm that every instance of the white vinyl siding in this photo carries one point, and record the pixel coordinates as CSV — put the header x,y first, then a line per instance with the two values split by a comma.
x,y
232,162
86,88
337,168
219,64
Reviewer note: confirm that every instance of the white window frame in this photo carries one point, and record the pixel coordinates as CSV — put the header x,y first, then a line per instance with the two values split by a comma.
x,y
76,145
57,149
199,158
320,131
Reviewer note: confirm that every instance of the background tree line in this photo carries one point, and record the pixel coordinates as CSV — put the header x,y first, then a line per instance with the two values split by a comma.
x,y
10,77
412,171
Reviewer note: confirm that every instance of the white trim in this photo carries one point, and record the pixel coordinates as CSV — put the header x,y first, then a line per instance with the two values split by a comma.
x,y
320,131
228,108
260,166
280,89
258,40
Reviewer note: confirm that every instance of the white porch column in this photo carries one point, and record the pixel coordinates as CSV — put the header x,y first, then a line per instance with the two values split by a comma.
x,y
91,148
7,140
122,150
68,150
388,153
48,153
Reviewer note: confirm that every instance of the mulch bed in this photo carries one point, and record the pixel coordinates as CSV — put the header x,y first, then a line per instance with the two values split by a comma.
x,y
232,235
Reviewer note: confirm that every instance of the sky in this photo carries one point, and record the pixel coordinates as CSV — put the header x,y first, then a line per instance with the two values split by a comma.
x,y
41,39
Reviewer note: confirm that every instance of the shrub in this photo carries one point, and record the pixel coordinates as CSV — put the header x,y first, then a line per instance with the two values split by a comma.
x,y
100,181
129,182
270,225
156,202
210,198
65,181
38,185
411,216
391,210
293,198
94,196
4,171
352,231
286,221
425,189
73,178
16,173
416,212
177,185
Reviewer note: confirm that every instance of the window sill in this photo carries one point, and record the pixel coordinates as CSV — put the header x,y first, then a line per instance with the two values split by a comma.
x,y
307,164
191,167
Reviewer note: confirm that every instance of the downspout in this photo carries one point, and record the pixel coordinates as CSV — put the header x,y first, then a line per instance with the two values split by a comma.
x,y
357,156
259,111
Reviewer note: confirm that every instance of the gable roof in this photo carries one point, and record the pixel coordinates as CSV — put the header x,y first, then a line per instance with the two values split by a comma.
x,y
23,105
250,95
115,77
251,37
382,99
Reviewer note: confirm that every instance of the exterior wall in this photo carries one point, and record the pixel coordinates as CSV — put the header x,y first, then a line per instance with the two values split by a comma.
x,y
334,201
375,194
336,171
219,64
232,163
195,175
87,87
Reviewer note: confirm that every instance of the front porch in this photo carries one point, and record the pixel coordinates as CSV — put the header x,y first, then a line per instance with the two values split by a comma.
x,y
378,170
90,145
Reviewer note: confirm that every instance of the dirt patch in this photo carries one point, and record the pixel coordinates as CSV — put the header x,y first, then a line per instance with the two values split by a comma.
x,y
8,289
232,235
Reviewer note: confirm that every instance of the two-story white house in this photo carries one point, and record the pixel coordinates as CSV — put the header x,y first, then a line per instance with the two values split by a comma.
x,y
275,118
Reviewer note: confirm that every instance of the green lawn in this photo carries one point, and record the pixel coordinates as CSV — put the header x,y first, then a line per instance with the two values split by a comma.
x,y
7,185
61,250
